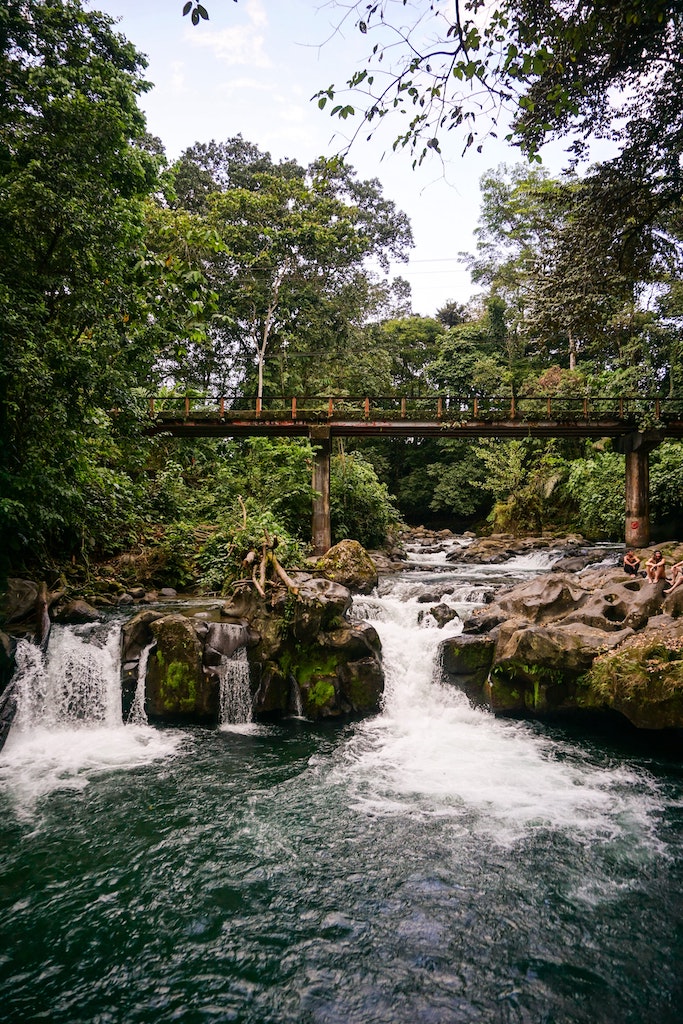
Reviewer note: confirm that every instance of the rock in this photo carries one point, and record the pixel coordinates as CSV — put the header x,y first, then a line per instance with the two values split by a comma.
x,y
19,600
443,614
361,684
642,679
137,634
557,638
177,688
573,563
466,662
6,659
222,639
349,564
168,592
73,612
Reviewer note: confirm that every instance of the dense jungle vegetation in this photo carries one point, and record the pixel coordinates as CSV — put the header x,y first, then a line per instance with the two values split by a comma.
x,y
124,275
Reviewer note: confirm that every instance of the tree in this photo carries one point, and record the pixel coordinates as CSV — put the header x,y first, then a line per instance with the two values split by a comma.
x,y
581,68
75,167
573,281
291,275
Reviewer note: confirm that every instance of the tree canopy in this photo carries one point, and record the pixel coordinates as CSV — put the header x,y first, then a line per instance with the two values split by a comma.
x,y
536,69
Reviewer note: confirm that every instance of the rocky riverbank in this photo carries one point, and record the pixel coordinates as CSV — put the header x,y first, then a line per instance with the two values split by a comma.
x,y
593,640
304,654
581,638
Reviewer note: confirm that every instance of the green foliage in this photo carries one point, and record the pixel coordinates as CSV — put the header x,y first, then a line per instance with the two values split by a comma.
x,y
459,483
220,560
75,168
666,482
597,486
639,671
528,480
361,507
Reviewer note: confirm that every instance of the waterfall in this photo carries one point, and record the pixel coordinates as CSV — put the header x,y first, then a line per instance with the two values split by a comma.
x,y
236,705
430,749
137,714
77,683
295,699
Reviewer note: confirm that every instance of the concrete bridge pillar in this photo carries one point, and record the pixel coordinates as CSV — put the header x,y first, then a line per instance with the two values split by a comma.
x,y
322,530
637,447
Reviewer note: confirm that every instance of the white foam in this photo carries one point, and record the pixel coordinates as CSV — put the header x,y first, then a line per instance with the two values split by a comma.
x,y
40,760
433,753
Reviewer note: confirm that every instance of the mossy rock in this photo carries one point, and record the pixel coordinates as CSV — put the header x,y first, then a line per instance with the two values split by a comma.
x,y
177,688
349,564
642,680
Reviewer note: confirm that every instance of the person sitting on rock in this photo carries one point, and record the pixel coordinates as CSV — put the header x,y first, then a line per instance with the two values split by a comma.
x,y
676,577
655,568
631,563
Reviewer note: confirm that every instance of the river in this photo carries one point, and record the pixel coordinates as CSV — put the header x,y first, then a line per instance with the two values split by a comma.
x,y
428,865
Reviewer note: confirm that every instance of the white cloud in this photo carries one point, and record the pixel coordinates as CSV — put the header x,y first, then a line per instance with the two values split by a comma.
x,y
240,44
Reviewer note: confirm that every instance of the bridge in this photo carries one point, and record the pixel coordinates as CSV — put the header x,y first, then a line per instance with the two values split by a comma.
x,y
637,423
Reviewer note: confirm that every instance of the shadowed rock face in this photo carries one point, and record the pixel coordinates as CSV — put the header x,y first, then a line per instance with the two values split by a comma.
x,y
561,643
305,656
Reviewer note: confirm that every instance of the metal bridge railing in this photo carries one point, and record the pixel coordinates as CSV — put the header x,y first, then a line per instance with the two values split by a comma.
x,y
431,408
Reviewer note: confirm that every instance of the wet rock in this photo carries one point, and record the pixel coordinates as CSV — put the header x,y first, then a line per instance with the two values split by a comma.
x,y
349,564
137,634
74,612
177,688
558,637
466,662
443,614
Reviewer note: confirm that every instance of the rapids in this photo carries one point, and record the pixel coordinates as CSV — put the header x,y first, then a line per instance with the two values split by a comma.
x,y
429,864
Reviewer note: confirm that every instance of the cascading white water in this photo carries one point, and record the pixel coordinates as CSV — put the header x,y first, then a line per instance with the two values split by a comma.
x,y
295,699
236,705
430,749
79,682
137,714
69,717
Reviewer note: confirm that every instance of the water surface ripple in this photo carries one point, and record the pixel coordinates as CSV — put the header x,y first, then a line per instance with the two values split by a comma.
x,y
430,864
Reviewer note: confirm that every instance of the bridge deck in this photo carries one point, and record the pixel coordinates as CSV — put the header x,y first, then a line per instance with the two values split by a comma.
x,y
537,416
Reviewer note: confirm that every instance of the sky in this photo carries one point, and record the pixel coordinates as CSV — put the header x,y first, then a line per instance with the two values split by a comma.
x,y
252,70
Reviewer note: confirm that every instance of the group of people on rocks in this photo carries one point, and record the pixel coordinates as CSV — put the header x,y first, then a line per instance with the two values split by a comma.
x,y
655,570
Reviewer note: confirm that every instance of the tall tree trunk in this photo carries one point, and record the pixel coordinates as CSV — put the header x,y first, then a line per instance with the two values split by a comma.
x,y
572,350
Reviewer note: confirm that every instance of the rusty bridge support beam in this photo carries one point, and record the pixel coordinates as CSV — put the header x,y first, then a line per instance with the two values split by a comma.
x,y
637,447
322,529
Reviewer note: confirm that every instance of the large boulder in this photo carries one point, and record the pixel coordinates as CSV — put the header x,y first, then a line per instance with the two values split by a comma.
x,y
306,657
177,687
466,662
642,678
349,564
18,600
574,643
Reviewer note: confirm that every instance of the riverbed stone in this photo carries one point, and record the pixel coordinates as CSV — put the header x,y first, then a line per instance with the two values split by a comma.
x,y
349,564
177,688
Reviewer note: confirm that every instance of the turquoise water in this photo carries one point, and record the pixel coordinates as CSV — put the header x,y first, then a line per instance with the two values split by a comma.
x,y
430,864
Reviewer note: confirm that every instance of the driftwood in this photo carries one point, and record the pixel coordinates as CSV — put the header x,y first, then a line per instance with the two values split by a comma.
x,y
268,561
